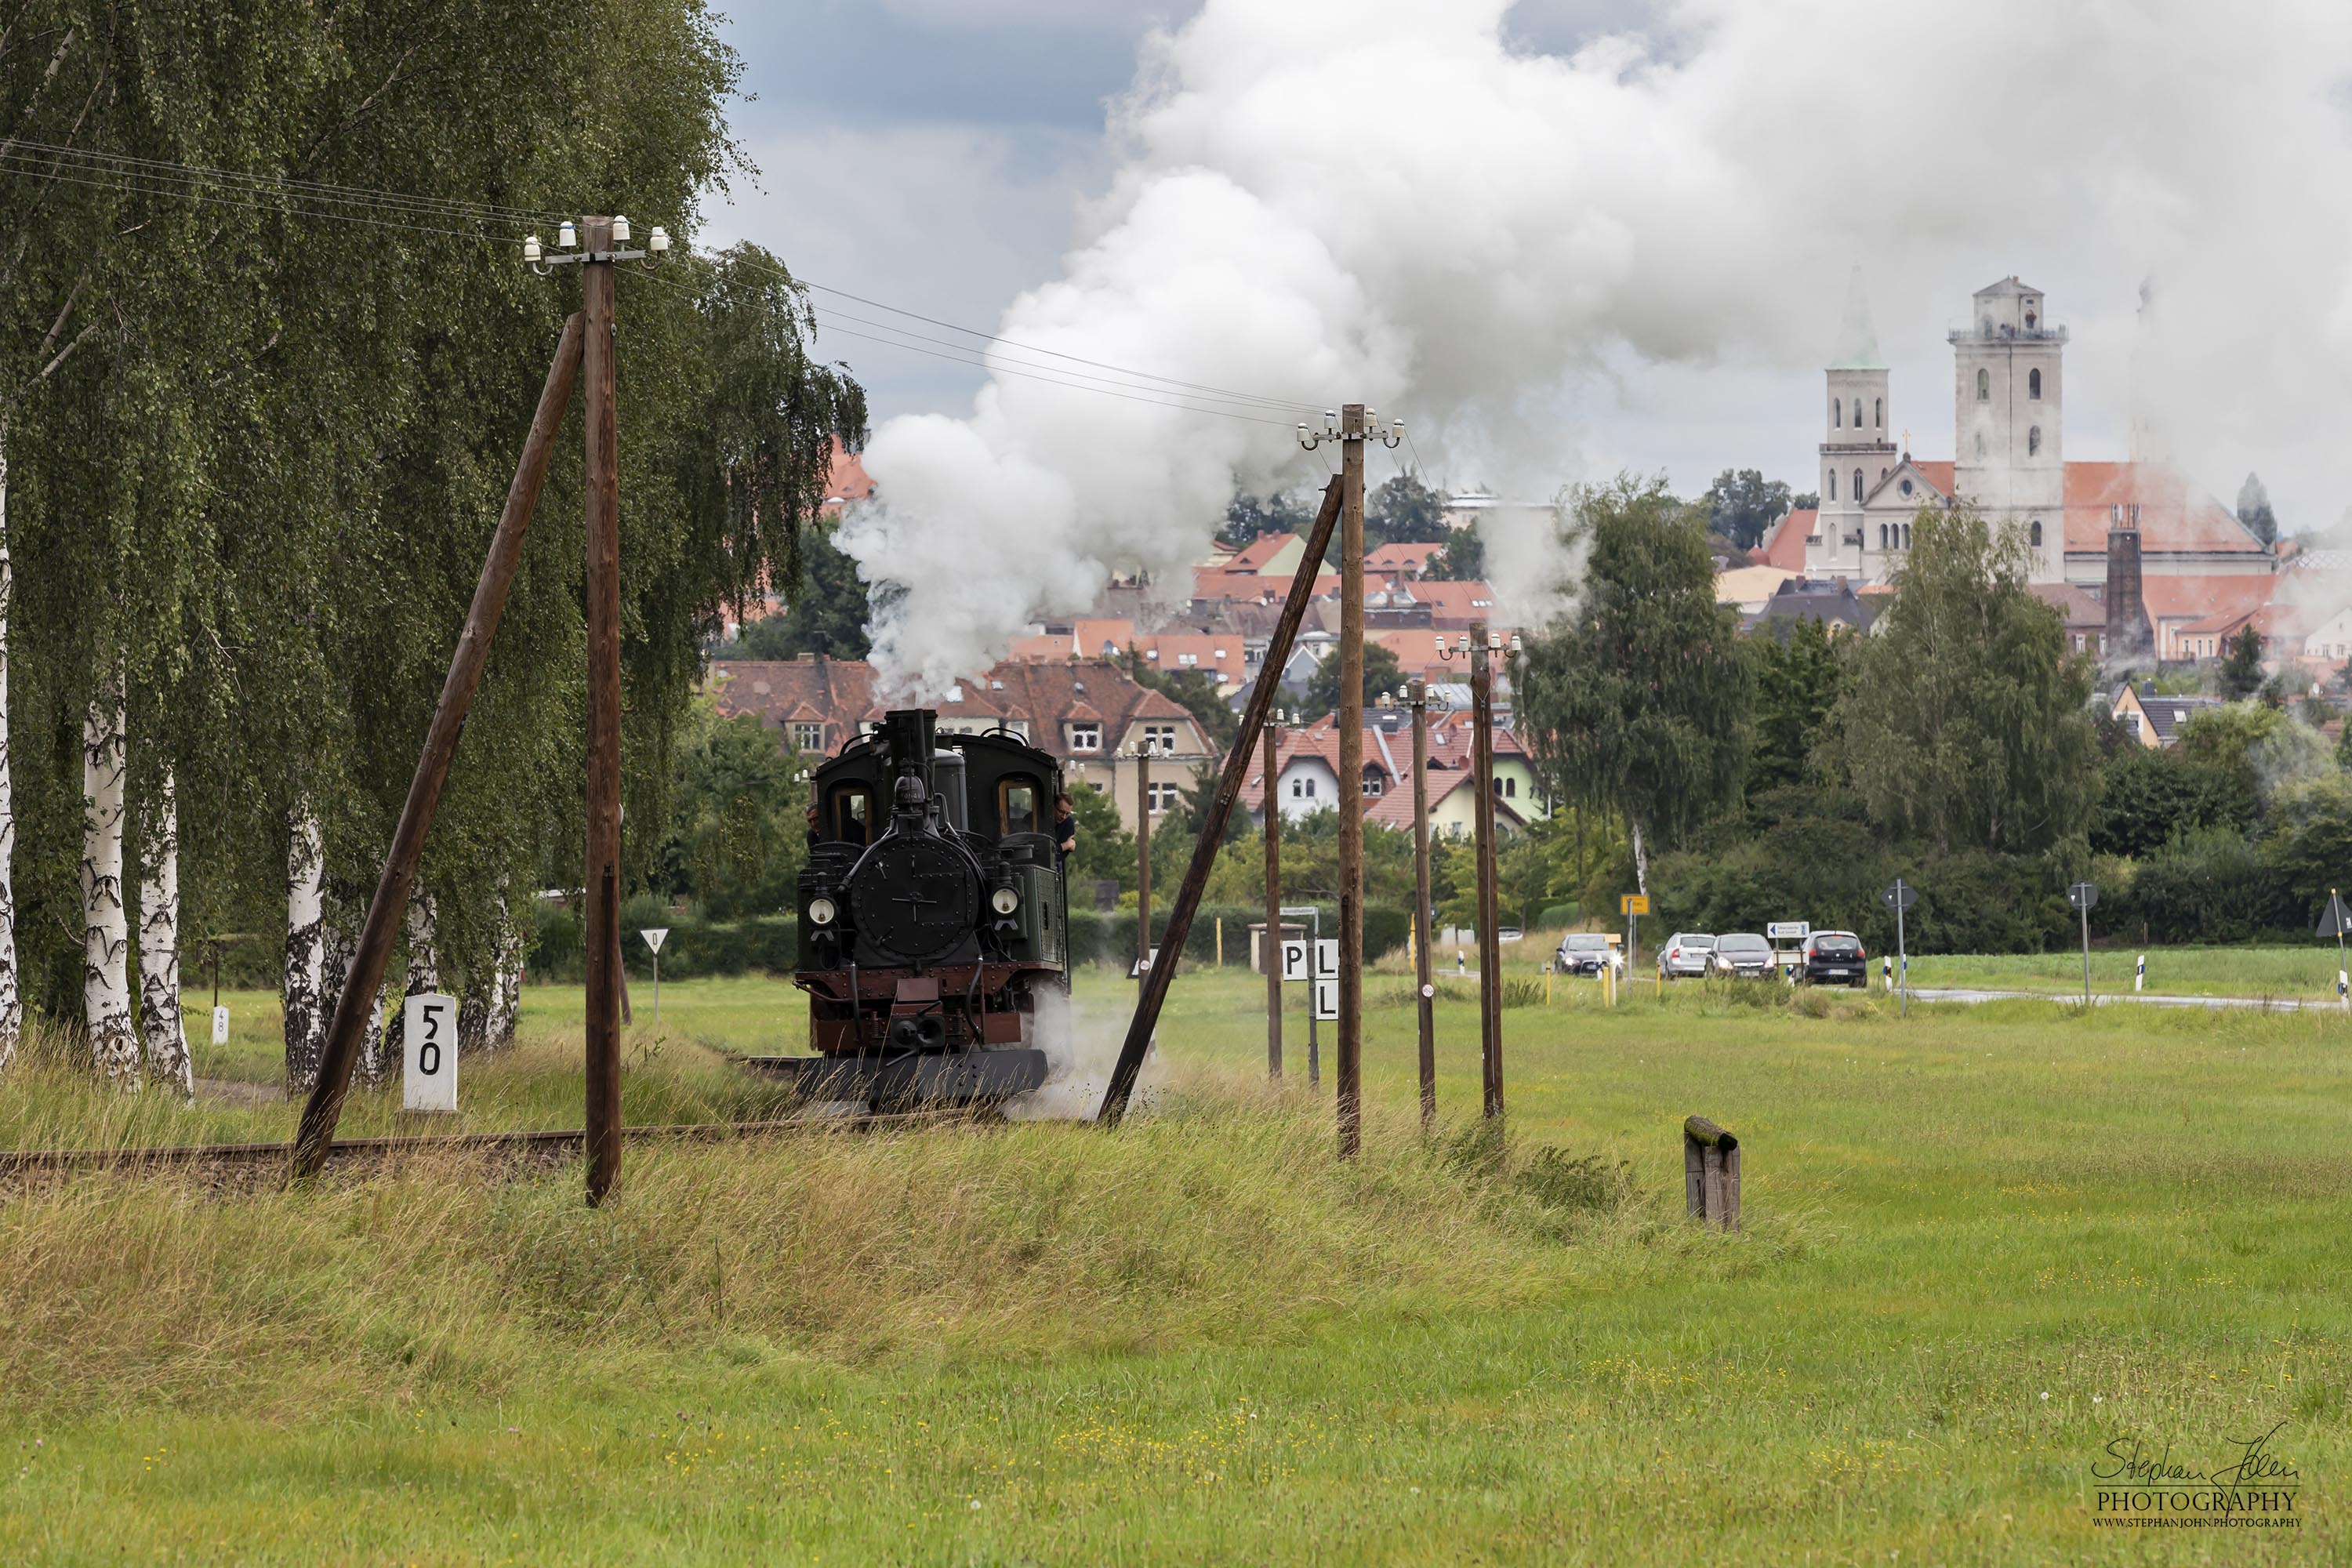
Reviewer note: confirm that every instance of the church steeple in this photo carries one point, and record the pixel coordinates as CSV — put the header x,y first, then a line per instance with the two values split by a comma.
x,y
1856,453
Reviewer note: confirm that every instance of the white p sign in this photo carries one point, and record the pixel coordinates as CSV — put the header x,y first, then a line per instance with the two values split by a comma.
x,y
429,1077
1293,959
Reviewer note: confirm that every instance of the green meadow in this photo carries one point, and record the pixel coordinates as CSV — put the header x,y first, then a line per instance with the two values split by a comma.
x,y
1984,1247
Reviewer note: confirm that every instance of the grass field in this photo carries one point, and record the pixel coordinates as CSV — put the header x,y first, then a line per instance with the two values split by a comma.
x,y
1982,1246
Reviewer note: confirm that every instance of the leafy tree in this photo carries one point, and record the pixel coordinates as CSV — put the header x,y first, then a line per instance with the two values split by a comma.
x,y
1105,850
1799,676
2150,796
2310,844
1741,504
2255,509
2261,747
737,834
1963,721
1640,702
1381,673
1403,511
1247,517
1464,559
828,619
2242,669
1806,501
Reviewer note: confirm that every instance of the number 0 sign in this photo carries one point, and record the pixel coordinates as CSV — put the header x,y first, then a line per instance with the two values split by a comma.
x,y
429,1078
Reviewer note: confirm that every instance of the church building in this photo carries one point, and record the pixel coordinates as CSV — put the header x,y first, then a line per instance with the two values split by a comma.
x,y
2194,558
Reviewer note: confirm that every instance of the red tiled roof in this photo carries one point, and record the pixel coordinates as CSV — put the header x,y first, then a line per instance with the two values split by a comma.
x,y
1401,557
2074,605
1046,694
2172,515
1784,546
2194,596
1252,556
1939,474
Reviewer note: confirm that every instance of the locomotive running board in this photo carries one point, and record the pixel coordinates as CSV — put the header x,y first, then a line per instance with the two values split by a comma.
x,y
939,1077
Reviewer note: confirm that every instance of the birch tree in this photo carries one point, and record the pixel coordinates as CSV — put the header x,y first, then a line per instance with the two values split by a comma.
x,y
162,1028
105,926
302,995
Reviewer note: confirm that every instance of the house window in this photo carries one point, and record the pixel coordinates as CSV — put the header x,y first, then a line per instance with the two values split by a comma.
x,y
1302,788
1906,487
1984,386
1163,795
1086,737
1832,484
2032,378
2034,441
2034,534
808,737
1837,414
1907,536
1882,536
1857,484
1163,736
1372,783
1187,660
1506,787
1878,413
1857,412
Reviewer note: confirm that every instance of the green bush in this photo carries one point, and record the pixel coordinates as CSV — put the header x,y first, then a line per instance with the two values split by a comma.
x,y
1552,917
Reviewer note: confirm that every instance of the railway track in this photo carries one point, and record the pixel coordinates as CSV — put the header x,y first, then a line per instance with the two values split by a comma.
x,y
544,1143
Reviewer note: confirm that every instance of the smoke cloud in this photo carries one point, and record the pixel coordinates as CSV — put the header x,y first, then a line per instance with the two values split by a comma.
x,y
1534,259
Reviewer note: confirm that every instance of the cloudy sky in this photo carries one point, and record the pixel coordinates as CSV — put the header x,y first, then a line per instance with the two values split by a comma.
x,y
1561,238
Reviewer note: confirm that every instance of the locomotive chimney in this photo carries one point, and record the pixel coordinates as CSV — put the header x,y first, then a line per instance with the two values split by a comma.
x,y
907,736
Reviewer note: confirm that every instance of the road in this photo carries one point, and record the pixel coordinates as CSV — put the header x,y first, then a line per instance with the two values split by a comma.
x,y
2264,1003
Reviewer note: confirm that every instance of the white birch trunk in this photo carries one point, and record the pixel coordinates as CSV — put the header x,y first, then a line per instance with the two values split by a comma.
x,y
342,943
1641,860
105,926
506,992
308,1005
12,994
161,1021
424,974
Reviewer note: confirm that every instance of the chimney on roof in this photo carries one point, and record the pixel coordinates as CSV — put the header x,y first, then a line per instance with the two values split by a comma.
x,y
2129,634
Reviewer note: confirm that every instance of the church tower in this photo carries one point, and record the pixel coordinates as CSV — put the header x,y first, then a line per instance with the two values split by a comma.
x,y
1854,451
2009,433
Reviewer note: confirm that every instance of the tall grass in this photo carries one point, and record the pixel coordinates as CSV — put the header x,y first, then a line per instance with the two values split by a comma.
x,y
1223,1218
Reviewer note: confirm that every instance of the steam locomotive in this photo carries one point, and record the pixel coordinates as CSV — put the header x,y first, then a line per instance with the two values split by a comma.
x,y
933,919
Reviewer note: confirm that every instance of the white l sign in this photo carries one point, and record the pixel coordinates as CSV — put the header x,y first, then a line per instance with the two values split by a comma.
x,y
1326,1000
220,1026
429,1077
1293,959
652,935
1326,961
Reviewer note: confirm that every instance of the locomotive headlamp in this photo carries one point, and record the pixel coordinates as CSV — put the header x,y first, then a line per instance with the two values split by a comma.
x,y
1004,900
821,912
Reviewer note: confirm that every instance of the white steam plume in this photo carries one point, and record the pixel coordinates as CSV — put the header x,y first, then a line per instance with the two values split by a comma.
x,y
1382,200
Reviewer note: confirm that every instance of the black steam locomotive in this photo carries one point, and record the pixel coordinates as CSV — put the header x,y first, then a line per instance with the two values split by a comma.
x,y
933,919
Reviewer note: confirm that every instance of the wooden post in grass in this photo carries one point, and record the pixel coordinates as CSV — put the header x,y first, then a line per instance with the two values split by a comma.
x,y
1131,1051
1710,1174
358,1000
601,896
1271,953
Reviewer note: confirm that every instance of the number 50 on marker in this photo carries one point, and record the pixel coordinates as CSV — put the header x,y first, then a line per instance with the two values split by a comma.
x,y
428,1079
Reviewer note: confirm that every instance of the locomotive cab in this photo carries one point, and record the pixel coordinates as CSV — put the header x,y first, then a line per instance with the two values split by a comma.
x,y
932,918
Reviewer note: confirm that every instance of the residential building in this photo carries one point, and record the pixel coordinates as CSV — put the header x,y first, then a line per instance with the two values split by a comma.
x,y
1306,773
2157,719
1083,712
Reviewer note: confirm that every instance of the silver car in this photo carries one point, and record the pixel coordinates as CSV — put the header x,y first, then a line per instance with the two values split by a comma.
x,y
1742,955
1687,955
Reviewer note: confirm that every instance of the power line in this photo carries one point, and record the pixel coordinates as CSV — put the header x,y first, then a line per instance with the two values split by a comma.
x,y
286,211
318,189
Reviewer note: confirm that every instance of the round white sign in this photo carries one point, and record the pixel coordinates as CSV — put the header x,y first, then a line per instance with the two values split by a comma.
x,y
1429,991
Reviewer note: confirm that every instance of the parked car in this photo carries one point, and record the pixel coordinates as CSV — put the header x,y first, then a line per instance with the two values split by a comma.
x,y
1742,954
1588,952
1687,954
1835,958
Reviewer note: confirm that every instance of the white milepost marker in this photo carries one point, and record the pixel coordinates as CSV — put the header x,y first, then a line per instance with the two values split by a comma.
x,y
428,1079
220,1026
652,935
2139,973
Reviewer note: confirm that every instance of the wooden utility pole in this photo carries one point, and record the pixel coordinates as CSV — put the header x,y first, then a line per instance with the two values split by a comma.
x,y
1143,753
316,1131
1425,992
603,880
1131,1051
1490,942
1273,946
1351,779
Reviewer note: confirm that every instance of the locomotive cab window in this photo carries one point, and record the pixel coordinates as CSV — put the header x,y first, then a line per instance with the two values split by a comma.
x,y
1016,805
853,810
